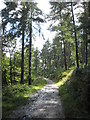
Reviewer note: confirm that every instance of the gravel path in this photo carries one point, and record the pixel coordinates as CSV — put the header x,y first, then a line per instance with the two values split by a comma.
x,y
45,103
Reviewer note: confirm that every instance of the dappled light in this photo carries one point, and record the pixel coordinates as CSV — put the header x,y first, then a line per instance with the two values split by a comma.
x,y
13,95
46,103
45,59
64,79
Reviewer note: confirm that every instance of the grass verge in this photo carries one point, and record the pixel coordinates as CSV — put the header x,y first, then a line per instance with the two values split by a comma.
x,y
73,88
17,95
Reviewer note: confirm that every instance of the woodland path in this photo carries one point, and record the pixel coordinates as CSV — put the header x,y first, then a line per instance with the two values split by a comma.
x,y
45,103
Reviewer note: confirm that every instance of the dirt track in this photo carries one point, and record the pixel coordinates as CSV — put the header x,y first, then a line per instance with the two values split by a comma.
x,y
45,103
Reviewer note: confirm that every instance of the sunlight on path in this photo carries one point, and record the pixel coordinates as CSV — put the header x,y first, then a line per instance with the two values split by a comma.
x,y
44,104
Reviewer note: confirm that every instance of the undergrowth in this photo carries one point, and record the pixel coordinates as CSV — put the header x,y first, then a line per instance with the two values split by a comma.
x,y
17,95
73,90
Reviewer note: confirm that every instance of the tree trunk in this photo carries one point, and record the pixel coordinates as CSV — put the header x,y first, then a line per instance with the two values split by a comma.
x,y
22,61
83,52
85,33
49,66
30,43
36,70
86,46
10,69
4,77
14,68
75,35
65,63
89,9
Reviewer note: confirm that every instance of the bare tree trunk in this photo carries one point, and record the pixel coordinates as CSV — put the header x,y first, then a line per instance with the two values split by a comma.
x,y
10,69
86,46
30,43
83,51
75,35
89,9
14,68
65,63
22,61
36,71
85,33
4,77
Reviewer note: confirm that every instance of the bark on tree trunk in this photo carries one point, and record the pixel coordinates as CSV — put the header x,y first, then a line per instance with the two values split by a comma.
x,y
75,35
86,46
14,68
10,69
65,63
86,32
4,77
30,43
22,61
83,51
36,71
89,9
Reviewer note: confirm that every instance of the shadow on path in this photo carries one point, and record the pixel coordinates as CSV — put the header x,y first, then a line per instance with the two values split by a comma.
x,y
45,103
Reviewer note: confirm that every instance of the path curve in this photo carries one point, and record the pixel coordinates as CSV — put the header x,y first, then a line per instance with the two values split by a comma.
x,y
45,103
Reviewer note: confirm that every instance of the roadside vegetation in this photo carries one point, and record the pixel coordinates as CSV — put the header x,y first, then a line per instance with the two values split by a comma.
x,y
73,89
65,59
17,95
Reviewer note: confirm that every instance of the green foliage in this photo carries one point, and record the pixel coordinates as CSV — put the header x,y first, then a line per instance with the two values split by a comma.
x,y
17,95
57,74
74,94
51,61
36,63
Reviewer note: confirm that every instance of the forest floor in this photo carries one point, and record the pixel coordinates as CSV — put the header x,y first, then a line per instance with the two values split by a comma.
x,y
45,103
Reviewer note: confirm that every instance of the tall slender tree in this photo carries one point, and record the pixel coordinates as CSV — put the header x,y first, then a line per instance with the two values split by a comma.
x,y
23,35
30,51
75,36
